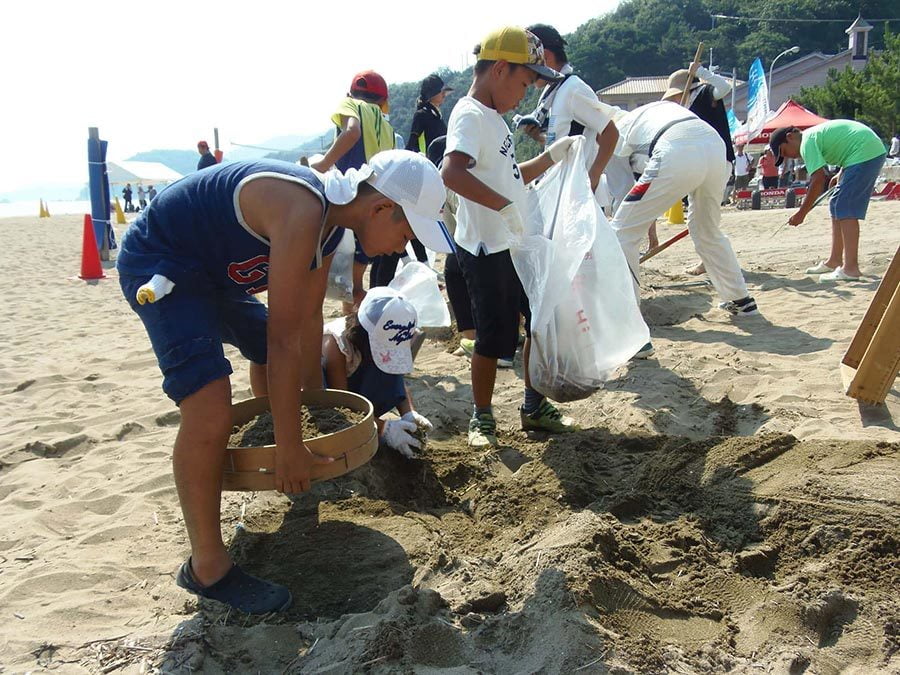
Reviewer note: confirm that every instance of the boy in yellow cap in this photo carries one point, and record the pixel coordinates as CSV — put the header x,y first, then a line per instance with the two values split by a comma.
x,y
480,166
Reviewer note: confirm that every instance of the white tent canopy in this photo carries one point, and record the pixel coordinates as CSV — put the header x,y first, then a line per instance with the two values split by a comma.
x,y
148,173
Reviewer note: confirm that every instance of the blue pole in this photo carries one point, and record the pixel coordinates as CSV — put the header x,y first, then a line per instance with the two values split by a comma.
x,y
99,191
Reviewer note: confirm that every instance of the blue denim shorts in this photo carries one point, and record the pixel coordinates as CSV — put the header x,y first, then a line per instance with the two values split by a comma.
x,y
851,199
188,328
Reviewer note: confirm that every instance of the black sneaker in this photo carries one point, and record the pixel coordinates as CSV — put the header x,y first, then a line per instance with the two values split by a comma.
x,y
743,306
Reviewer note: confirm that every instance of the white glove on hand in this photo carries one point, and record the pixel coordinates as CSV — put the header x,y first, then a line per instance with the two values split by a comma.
x,y
513,219
559,149
398,434
419,420
703,73
155,289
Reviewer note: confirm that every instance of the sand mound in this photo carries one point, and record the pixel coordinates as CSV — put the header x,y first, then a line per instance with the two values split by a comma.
x,y
595,551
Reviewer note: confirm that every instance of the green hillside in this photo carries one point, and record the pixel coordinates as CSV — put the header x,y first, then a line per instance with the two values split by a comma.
x,y
655,37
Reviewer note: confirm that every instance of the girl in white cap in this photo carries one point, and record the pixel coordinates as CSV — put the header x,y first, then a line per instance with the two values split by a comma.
x,y
369,352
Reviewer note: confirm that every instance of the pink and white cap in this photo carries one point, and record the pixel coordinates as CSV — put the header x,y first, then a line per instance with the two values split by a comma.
x,y
390,320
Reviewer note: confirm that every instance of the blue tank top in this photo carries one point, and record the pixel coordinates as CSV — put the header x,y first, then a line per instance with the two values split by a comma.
x,y
194,232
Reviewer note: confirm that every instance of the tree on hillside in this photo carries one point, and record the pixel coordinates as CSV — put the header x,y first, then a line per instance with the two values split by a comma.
x,y
869,95
655,37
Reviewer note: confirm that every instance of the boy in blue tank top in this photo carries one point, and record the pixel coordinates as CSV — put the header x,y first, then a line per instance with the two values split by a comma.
x,y
189,267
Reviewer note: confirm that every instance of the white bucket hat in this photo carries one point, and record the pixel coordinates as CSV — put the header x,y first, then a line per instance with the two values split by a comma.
x,y
409,179
391,323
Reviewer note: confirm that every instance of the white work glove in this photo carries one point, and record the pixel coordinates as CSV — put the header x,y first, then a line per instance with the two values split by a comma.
x,y
721,86
513,219
154,290
558,149
419,420
398,434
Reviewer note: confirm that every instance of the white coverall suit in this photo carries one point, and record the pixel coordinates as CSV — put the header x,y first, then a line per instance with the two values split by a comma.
x,y
687,159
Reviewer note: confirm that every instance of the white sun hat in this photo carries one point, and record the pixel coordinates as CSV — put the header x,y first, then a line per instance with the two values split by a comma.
x,y
390,322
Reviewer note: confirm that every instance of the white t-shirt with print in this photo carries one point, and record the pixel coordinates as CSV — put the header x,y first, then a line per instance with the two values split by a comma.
x,y
575,101
482,134
742,164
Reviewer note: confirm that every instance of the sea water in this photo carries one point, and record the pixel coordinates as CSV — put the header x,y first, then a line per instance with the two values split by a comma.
x,y
32,207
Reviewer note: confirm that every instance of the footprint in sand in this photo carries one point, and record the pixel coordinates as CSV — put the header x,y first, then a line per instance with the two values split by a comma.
x,y
23,386
127,429
169,419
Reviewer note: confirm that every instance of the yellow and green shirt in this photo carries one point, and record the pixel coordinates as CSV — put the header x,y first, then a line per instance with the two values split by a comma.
x,y
377,132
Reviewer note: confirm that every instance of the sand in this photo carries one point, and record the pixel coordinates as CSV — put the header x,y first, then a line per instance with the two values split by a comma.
x,y
315,422
725,508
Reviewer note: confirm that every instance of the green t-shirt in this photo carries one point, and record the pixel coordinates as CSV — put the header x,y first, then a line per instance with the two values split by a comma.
x,y
840,143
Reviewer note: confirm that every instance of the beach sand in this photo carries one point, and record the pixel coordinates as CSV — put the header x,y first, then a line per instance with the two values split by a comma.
x,y
725,508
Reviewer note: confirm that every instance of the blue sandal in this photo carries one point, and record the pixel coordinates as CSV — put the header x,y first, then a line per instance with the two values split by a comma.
x,y
238,589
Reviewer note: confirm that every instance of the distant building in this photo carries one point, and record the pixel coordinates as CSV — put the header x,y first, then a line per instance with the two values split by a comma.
x,y
633,92
807,71
811,70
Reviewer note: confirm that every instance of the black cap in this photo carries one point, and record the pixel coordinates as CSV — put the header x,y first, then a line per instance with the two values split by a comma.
x,y
548,35
432,86
778,137
436,148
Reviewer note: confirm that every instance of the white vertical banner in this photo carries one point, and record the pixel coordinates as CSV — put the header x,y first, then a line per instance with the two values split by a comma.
x,y
757,100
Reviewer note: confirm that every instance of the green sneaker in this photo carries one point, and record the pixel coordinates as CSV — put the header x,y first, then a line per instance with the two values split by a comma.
x,y
547,418
467,346
482,431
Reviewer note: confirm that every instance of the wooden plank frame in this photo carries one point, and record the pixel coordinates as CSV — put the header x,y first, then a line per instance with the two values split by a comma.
x,y
872,360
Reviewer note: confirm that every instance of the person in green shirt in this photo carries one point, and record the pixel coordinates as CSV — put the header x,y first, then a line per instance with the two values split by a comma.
x,y
860,154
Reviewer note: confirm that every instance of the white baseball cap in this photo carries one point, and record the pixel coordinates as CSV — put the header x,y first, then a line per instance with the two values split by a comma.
x,y
409,179
390,320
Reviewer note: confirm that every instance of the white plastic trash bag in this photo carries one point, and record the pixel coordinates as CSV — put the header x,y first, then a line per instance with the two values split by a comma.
x,y
340,275
585,320
418,284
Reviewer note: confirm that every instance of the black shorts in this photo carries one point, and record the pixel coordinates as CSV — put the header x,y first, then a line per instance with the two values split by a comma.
x,y
497,301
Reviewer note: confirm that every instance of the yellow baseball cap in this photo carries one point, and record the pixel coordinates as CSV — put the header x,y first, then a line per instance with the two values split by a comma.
x,y
517,45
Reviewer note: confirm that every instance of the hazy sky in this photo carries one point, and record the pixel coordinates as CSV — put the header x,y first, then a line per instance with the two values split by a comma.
x,y
163,74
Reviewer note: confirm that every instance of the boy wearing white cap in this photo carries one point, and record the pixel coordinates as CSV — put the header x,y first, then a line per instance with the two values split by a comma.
x,y
480,166
369,352
203,247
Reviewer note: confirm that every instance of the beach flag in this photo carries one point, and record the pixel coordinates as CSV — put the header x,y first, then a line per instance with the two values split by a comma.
x,y
90,256
757,100
120,214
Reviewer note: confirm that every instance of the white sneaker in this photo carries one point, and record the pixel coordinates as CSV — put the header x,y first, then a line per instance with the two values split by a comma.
x,y
819,268
838,275
504,363
645,352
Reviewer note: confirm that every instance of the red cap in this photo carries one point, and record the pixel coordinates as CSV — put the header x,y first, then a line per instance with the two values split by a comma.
x,y
370,82
203,143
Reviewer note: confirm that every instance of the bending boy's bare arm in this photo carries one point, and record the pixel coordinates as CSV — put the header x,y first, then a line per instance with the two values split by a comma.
x,y
311,330
289,216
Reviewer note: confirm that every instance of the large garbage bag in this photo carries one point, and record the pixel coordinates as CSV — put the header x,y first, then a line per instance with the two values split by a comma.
x,y
340,274
585,320
418,283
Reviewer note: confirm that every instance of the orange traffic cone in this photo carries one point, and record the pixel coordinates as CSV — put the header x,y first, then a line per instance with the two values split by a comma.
x,y
90,256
